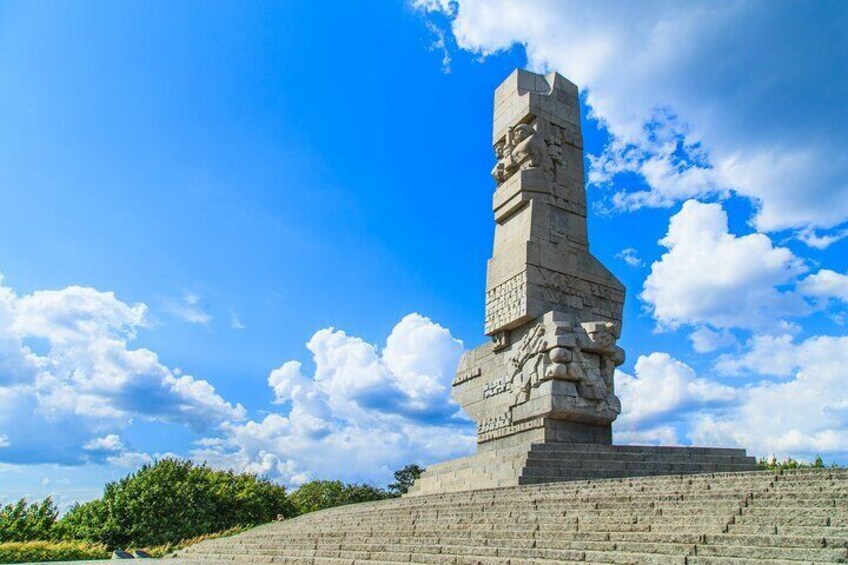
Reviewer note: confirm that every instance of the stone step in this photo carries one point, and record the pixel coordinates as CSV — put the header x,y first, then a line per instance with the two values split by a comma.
x,y
576,455
717,519
615,485
650,449
582,469
833,555
421,553
763,540
773,529
717,560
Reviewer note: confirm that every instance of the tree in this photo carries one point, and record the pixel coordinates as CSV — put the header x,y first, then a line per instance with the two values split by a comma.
x,y
28,522
404,479
174,500
318,495
86,521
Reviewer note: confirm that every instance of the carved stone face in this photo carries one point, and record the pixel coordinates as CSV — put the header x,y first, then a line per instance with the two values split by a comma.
x,y
499,150
560,355
522,132
604,339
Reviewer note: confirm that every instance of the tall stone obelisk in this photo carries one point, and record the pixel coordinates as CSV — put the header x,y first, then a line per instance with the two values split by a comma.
x,y
553,311
542,390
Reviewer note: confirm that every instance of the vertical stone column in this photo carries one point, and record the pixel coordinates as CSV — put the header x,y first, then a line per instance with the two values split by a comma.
x,y
553,311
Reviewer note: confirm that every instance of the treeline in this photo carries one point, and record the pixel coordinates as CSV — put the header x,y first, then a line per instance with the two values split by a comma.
x,y
173,500
772,464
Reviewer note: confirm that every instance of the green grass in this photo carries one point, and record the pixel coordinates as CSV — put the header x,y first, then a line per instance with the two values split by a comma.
x,y
29,551
38,551
165,549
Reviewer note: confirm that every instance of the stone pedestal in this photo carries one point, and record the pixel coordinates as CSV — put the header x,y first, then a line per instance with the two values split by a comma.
x,y
553,462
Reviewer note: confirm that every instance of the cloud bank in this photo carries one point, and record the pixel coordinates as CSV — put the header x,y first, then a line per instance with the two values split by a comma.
x,y
70,380
362,413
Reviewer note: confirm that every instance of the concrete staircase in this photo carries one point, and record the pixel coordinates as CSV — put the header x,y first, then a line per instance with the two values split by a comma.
x,y
550,462
706,519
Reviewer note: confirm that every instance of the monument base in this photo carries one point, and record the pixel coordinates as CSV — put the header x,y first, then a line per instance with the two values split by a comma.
x,y
552,462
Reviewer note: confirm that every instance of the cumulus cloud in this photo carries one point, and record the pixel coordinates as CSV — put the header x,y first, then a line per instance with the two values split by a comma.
x,y
788,399
662,387
706,340
687,125
110,444
711,277
826,284
802,413
363,412
67,369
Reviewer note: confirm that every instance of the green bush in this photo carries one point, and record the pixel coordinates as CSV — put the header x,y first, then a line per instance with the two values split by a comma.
x,y
174,500
774,465
318,495
85,521
28,522
29,551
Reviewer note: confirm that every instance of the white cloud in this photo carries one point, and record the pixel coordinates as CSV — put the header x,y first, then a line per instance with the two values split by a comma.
x,y
630,256
657,435
790,400
132,460
110,443
826,284
812,238
661,387
189,309
363,413
711,277
803,414
4,440
706,340
439,44
688,125
67,369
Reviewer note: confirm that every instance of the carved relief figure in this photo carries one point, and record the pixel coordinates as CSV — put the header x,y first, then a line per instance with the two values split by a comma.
x,y
520,149
527,152
527,369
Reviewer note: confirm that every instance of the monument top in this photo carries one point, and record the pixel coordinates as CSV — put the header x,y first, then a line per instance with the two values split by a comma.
x,y
524,93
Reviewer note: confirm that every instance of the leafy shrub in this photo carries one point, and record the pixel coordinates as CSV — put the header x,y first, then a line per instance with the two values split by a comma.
x,y
173,500
84,521
24,552
27,522
404,479
774,465
318,495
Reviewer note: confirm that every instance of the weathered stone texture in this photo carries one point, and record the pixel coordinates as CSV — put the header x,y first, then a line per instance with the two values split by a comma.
x,y
711,519
552,310
553,313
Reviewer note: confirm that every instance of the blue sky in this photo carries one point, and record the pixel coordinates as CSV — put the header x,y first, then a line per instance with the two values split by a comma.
x,y
189,195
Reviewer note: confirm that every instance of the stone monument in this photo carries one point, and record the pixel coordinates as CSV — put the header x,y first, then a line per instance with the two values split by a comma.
x,y
542,388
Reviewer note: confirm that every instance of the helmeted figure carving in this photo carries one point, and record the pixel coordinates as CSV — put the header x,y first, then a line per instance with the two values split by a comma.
x,y
521,149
